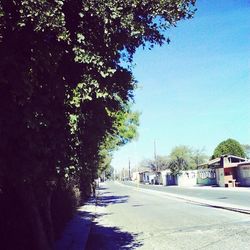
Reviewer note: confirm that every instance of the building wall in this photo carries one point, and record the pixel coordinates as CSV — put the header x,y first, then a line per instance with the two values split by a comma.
x,y
135,176
164,175
141,177
225,161
206,176
243,172
151,178
220,177
187,178
147,177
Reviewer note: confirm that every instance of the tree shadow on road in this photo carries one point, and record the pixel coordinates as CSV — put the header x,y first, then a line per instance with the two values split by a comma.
x,y
137,205
111,238
100,237
104,193
75,234
101,188
104,201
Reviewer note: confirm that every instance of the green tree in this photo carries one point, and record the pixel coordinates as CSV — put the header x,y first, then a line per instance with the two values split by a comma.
x,y
246,148
124,130
183,152
144,165
229,146
159,163
109,172
177,164
65,74
198,156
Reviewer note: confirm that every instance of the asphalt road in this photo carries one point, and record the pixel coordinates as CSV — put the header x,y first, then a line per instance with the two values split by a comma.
x,y
235,196
134,218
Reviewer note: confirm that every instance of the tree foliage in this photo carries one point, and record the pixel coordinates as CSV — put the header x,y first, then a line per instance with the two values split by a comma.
x,y
198,156
183,152
159,163
65,89
246,148
177,164
144,165
193,157
180,158
229,146
109,173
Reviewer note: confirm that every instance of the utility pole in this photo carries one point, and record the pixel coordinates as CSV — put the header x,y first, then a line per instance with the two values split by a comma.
x,y
156,163
155,155
129,176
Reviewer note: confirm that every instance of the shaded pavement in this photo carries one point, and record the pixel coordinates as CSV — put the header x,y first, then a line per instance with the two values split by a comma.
x,y
105,237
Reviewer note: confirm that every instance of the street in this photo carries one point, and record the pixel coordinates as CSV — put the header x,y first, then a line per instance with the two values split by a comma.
x,y
238,197
132,218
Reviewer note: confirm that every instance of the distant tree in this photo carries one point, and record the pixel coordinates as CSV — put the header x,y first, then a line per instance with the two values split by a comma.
x,y
246,148
177,165
183,152
109,172
124,130
198,156
161,162
146,164
229,146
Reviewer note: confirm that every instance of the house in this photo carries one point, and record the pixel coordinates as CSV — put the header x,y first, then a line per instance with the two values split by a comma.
x,y
148,177
224,171
145,176
243,174
136,176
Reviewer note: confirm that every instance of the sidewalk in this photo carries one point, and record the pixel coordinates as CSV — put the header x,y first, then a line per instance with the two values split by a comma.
x,y
235,189
76,233
203,187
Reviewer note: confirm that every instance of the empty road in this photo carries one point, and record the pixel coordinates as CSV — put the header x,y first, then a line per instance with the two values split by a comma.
x,y
134,218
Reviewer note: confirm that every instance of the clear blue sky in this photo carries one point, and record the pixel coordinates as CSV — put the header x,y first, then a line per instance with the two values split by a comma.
x,y
196,90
